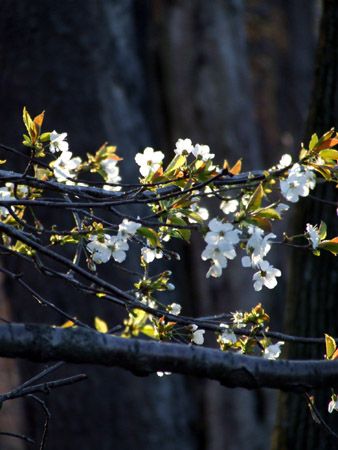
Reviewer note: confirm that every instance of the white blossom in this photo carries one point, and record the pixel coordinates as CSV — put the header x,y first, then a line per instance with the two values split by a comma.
x,y
184,147
273,351
150,254
227,336
102,248
285,161
202,152
118,247
197,335
128,228
220,246
161,374
333,405
149,161
229,206
215,270
266,276
99,249
5,194
313,235
238,319
174,309
281,207
221,233
298,183
202,212
58,142
257,246
65,166
112,174
219,254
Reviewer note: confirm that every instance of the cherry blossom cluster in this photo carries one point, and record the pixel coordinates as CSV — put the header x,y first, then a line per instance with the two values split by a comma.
x,y
299,182
104,246
65,166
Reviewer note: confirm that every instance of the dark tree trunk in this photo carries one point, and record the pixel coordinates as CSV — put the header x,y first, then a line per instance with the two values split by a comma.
x,y
312,297
81,61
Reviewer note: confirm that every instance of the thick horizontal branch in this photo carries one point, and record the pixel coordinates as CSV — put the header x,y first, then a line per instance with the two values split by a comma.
x,y
42,343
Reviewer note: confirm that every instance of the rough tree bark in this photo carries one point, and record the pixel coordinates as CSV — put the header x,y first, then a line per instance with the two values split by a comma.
x,y
144,357
81,61
312,297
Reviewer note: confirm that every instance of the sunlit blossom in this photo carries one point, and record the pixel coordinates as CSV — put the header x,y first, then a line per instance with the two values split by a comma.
x,y
221,233
58,142
227,335
197,335
174,309
285,161
149,161
65,167
313,235
333,405
202,152
298,183
110,166
266,276
98,247
5,194
237,318
183,147
128,228
257,246
150,254
118,247
229,206
273,351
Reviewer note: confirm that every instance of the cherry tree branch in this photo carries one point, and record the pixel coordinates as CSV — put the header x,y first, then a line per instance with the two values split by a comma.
x,y
43,343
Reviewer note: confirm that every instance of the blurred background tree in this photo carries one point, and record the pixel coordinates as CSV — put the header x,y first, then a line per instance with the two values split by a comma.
x,y
311,301
233,74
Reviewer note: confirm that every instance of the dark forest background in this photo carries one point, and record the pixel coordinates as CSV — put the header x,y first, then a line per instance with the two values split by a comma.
x,y
234,74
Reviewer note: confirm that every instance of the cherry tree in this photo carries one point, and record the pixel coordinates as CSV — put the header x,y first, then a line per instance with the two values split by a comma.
x,y
170,201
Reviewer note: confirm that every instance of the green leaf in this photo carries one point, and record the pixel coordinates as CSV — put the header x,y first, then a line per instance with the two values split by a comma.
x,y
138,317
330,346
101,325
329,154
256,198
27,120
150,331
195,216
151,235
261,222
180,232
269,213
303,153
175,164
313,141
45,137
331,246
322,230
